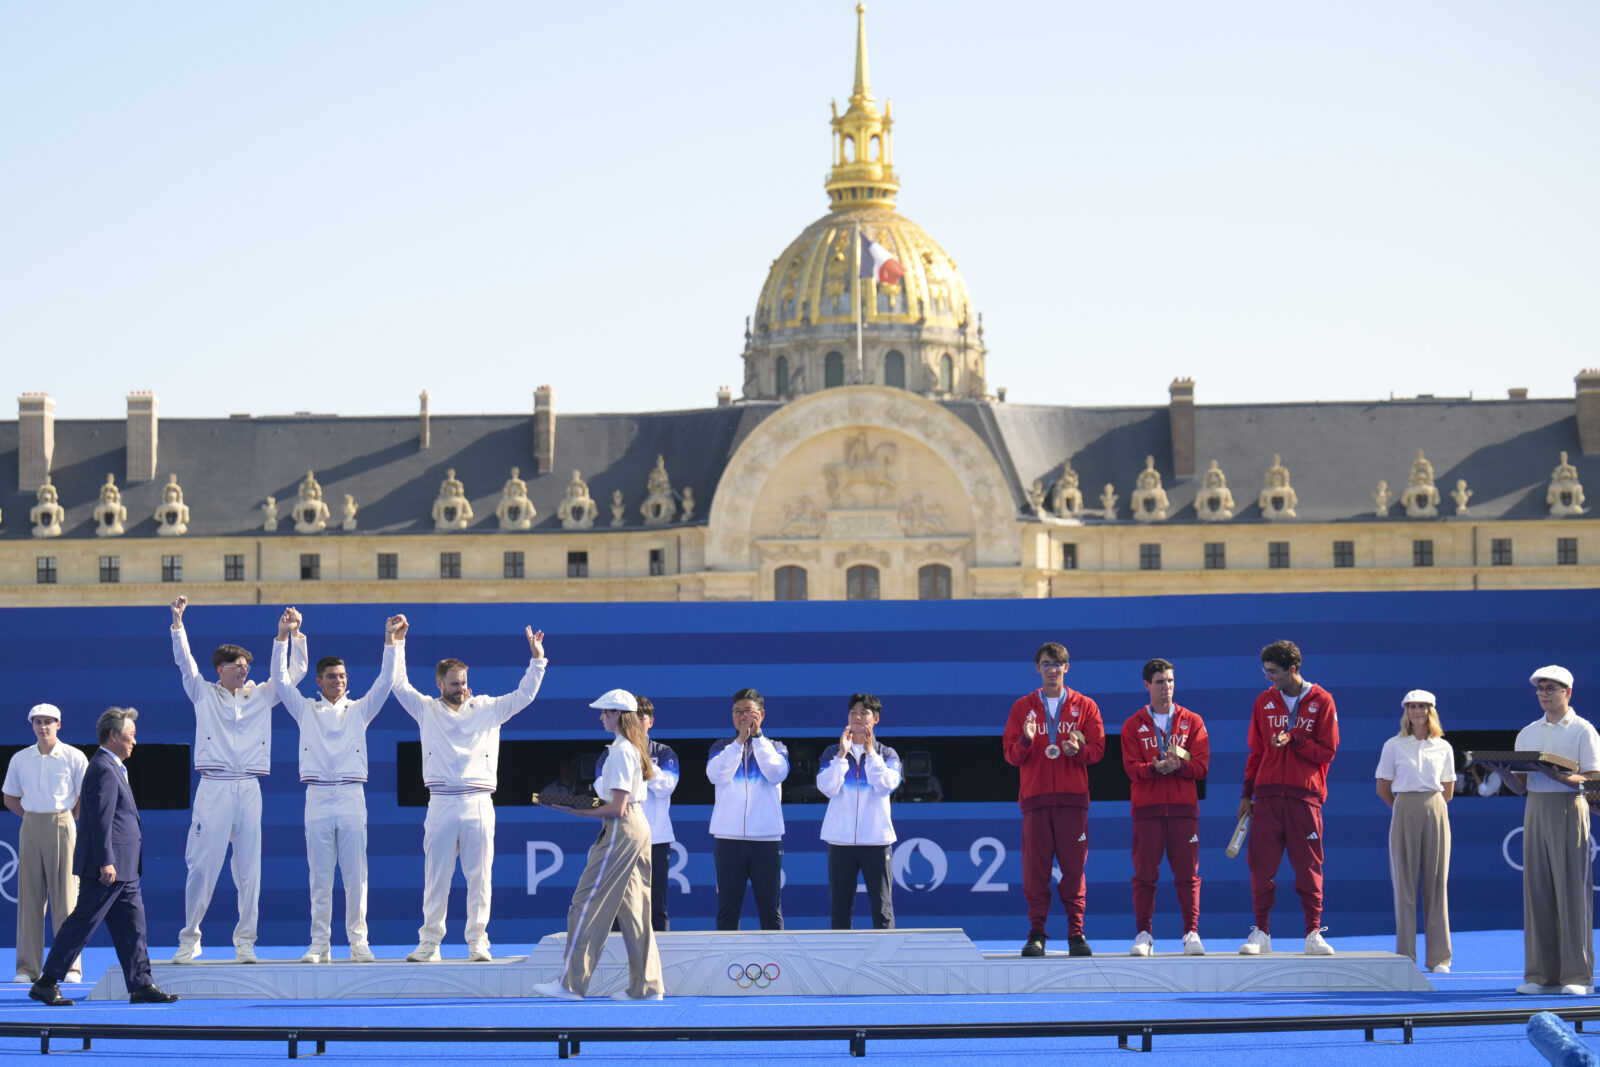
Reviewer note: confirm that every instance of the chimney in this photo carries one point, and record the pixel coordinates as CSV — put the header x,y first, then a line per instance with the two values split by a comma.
x,y
1589,410
36,440
544,429
424,434
141,437
1181,417
724,396
1517,393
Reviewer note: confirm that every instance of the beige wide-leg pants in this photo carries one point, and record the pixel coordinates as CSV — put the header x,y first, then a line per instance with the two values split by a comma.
x,y
44,874
614,885
1419,849
1557,891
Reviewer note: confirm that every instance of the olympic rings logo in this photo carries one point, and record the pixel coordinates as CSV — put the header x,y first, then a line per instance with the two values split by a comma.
x,y
753,974
8,872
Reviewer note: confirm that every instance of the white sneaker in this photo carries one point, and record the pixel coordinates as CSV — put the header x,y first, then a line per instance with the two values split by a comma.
x,y
1535,989
244,953
1257,943
1439,968
361,952
186,953
1143,945
1316,946
555,989
317,954
1575,990
23,979
425,952
1192,945
478,950
74,975
622,994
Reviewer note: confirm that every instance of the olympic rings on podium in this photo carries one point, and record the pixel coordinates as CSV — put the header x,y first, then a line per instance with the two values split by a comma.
x,y
753,974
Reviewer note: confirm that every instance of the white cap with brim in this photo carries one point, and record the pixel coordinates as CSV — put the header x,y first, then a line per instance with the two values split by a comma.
x,y
1553,673
48,711
616,700
1418,696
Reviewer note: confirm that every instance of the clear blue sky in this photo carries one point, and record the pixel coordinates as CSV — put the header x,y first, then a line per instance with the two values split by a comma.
x,y
268,207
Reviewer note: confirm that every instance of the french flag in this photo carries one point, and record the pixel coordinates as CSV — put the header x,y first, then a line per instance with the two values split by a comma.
x,y
878,262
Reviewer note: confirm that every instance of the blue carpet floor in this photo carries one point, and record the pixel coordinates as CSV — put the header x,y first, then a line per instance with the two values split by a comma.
x,y
1487,968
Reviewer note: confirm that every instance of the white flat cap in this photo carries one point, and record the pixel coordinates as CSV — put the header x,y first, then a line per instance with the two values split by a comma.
x,y
1554,674
48,711
616,700
1418,696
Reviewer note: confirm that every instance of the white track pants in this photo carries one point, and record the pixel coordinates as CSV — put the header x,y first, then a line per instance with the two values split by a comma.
x,y
336,835
225,812
457,826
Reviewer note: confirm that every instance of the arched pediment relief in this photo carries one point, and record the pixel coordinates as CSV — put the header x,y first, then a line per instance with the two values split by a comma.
x,y
861,552
776,483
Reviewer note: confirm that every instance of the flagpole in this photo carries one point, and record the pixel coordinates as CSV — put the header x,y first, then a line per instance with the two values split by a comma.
x,y
859,376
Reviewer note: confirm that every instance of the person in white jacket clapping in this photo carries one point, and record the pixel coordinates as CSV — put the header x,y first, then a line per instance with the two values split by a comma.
x,y
747,818
857,776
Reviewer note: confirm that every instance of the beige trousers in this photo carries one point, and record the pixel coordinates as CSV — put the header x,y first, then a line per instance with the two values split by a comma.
x,y
44,875
1419,849
614,885
1557,891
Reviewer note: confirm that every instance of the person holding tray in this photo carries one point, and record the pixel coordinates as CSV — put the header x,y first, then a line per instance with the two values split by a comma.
x,y
1416,778
1557,883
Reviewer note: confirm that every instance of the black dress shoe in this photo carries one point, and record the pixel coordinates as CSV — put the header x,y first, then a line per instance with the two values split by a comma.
x,y
1078,945
1035,945
46,992
151,994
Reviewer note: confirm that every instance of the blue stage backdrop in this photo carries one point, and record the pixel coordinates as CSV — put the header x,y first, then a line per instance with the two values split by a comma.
x,y
947,673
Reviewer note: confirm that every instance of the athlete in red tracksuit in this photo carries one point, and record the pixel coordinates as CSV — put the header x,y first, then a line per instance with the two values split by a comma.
x,y
1054,793
1165,750
1294,734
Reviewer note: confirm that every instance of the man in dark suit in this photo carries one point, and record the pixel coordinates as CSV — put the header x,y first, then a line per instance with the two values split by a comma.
x,y
107,861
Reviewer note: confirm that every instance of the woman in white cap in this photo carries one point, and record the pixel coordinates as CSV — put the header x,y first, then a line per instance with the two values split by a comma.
x,y
1416,778
615,884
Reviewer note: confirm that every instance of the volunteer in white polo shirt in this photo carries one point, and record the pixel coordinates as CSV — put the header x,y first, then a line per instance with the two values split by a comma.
x,y
1416,778
42,786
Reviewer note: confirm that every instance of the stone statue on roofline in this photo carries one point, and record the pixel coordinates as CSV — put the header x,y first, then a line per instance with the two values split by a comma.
x,y
451,509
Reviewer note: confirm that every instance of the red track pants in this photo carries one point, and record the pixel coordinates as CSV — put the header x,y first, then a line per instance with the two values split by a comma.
x,y
1178,836
1286,824
1060,834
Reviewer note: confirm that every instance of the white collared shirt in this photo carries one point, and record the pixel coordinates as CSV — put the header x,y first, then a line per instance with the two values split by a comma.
x,y
46,783
1417,766
1571,737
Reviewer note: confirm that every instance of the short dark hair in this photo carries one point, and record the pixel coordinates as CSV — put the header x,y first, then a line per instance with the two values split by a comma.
x,y
446,666
1155,667
114,721
1054,649
1285,654
229,653
751,695
328,663
867,700
644,705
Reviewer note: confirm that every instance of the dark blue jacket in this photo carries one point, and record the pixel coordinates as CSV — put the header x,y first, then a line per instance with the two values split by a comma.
x,y
108,822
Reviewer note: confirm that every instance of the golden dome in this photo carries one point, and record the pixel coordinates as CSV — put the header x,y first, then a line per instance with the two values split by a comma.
x,y
917,333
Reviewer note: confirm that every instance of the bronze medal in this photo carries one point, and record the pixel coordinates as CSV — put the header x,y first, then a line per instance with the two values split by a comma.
x,y
1053,750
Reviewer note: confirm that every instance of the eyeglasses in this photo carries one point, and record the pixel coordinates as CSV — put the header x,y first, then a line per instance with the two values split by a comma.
x,y
1549,690
1051,665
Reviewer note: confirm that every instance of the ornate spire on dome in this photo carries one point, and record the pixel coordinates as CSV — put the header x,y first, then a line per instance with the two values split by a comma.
x,y
862,175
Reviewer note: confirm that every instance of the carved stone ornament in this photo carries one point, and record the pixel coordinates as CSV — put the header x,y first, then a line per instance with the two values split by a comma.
x,y
688,504
1381,498
803,518
451,511
922,520
1461,495
932,551
110,513
1565,495
783,552
1036,496
659,504
1108,502
1065,498
173,514
1215,500
47,515
862,478
1421,496
310,510
1278,498
861,551
1149,499
618,508
577,510
269,512
350,509
515,511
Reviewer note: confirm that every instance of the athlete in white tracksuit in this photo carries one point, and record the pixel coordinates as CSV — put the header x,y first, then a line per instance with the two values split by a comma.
x,y
857,776
232,749
333,766
460,763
